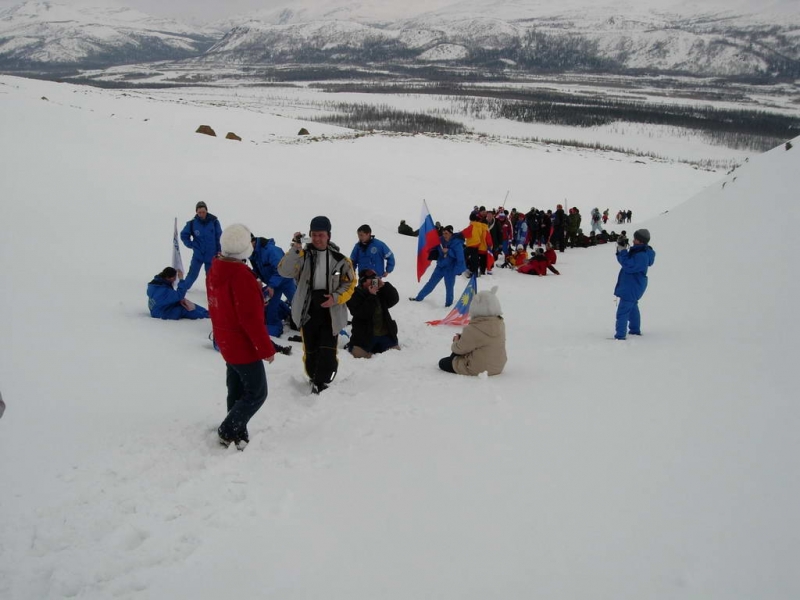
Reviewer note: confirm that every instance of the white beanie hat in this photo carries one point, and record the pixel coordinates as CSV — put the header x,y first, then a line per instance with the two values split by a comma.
x,y
235,242
486,304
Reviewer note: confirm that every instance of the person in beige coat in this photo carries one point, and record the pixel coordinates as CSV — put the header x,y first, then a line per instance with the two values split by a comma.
x,y
481,346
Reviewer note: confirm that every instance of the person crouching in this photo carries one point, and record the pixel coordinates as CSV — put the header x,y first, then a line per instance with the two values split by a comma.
x,y
481,346
374,330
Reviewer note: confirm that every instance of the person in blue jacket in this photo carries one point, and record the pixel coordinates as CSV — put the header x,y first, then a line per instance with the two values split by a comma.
x,y
450,263
167,303
278,291
371,253
201,234
632,282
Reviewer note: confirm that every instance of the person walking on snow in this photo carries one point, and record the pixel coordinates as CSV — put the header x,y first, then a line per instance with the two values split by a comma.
x,y
237,318
371,253
325,282
201,235
632,282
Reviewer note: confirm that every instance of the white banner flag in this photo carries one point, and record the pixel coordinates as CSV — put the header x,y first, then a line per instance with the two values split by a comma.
x,y
177,261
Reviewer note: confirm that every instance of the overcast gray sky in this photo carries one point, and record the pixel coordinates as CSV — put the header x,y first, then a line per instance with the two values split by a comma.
x,y
208,10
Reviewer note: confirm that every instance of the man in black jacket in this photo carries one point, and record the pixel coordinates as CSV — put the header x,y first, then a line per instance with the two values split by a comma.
x,y
374,330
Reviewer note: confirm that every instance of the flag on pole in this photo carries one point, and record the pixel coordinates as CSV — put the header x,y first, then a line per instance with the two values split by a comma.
x,y
177,261
427,240
460,313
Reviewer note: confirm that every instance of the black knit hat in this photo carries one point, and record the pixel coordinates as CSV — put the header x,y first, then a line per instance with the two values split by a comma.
x,y
200,205
320,224
365,229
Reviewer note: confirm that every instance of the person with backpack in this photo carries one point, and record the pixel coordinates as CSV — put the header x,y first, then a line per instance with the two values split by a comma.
x,y
632,282
201,235
450,263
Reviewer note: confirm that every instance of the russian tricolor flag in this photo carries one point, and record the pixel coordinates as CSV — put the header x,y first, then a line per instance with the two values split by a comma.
x,y
427,241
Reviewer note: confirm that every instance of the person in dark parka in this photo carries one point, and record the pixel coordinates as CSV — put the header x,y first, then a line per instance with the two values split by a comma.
x,y
374,330
632,282
201,235
165,302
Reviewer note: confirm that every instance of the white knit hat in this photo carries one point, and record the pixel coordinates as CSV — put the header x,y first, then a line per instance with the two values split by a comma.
x,y
235,242
486,304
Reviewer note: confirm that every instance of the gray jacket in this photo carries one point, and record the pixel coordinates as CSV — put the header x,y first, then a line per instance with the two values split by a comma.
x,y
299,264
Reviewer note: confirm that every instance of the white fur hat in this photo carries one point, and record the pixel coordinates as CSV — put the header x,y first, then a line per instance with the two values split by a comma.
x,y
235,242
486,304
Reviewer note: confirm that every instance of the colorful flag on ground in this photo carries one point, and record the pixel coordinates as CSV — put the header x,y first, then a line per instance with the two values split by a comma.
x,y
427,240
460,313
177,261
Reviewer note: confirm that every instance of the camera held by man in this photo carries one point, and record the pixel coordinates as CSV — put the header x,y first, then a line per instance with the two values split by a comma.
x,y
622,241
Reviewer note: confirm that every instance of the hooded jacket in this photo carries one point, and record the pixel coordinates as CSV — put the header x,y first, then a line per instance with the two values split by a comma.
x,y
632,278
202,236
161,297
452,262
265,259
236,307
342,281
481,347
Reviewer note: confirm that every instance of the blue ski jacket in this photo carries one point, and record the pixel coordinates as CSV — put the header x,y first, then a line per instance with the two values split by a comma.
x,y
202,236
161,297
632,279
452,262
265,258
373,255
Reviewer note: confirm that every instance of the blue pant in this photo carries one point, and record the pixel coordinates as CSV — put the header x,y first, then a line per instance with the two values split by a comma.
x,y
194,270
449,282
247,390
628,318
176,312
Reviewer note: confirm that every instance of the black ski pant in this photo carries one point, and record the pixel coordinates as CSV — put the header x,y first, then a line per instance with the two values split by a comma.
x,y
472,258
319,342
247,390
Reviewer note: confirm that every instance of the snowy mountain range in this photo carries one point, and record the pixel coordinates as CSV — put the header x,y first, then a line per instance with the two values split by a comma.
x,y
51,34
531,35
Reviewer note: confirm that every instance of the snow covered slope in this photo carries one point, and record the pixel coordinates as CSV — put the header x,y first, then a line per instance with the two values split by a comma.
x,y
661,467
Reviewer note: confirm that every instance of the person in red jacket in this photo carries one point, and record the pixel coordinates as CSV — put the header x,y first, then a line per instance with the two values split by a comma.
x,y
236,307
538,265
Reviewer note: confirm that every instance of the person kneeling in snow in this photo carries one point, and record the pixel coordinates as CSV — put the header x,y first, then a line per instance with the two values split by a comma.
x,y
374,330
481,346
165,302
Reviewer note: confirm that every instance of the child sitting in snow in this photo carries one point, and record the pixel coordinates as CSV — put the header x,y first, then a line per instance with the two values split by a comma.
x,y
516,258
